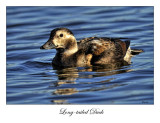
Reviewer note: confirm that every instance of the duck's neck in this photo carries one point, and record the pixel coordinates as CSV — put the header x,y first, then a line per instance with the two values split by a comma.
x,y
70,49
65,56
70,52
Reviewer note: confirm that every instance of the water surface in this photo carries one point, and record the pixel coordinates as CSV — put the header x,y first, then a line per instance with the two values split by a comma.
x,y
32,80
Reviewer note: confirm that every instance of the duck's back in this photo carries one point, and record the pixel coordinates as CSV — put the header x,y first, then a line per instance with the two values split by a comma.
x,y
104,50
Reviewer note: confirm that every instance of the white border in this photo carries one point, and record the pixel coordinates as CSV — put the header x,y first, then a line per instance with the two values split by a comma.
x,y
79,2
49,113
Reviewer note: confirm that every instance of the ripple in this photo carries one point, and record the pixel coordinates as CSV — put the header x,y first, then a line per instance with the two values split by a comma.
x,y
32,80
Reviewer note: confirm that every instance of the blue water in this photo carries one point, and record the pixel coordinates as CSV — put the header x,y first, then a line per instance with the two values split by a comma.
x,y
32,80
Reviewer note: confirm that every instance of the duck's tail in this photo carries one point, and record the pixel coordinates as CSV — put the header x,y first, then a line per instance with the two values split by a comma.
x,y
130,53
136,51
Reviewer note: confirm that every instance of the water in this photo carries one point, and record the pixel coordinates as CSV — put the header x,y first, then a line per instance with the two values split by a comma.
x,y
32,80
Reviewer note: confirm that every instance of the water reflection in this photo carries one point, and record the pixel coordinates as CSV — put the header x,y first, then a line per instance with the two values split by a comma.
x,y
68,78
69,75
59,101
103,87
66,91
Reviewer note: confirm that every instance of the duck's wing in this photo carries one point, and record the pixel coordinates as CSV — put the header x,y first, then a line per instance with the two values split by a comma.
x,y
104,49
96,46
121,46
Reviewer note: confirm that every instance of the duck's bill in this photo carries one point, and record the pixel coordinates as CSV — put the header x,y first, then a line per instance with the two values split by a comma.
x,y
48,45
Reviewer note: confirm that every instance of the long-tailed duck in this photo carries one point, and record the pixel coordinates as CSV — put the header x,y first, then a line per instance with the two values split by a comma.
x,y
88,51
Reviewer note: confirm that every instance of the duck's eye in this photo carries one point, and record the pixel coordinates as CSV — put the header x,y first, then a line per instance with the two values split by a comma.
x,y
61,35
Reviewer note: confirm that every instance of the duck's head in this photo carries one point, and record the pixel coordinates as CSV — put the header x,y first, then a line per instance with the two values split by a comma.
x,y
60,38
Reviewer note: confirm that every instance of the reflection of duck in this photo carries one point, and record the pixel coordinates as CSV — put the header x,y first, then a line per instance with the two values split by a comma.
x,y
67,83
70,75
66,76
90,51
66,91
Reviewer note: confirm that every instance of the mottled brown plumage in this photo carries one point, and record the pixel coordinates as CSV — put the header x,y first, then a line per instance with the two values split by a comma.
x,y
88,51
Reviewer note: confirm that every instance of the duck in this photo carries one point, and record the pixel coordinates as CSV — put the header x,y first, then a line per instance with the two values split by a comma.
x,y
88,51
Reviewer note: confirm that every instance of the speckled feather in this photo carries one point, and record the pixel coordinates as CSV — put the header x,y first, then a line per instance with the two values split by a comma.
x,y
108,49
89,51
